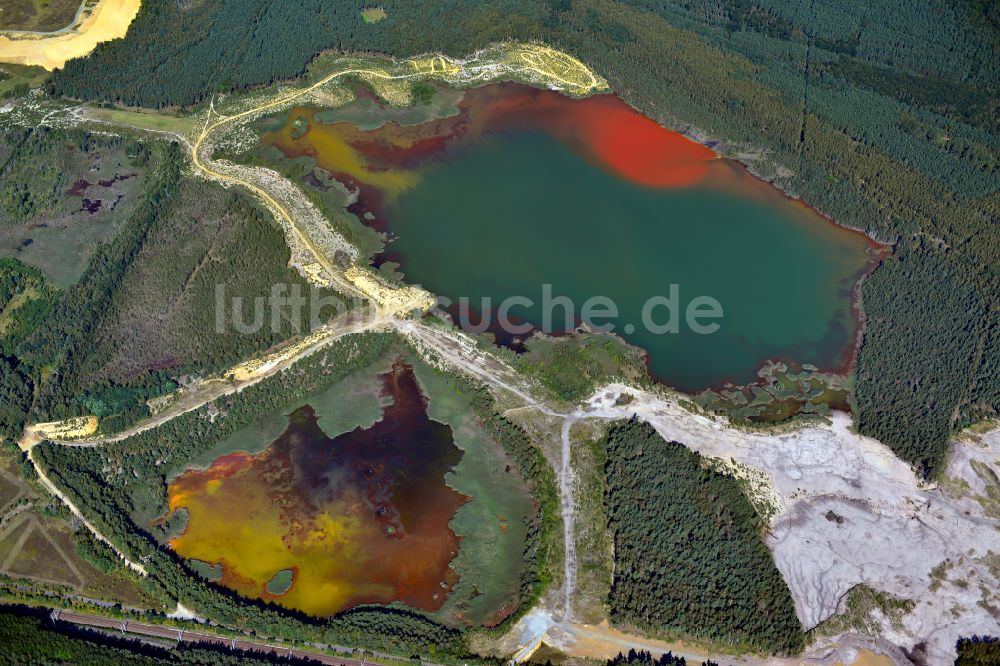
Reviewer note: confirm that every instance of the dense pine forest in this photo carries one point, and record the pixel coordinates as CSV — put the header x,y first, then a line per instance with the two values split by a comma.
x,y
26,297
885,117
689,556
978,651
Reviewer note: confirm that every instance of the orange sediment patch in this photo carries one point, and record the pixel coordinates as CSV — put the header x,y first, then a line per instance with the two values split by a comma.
x,y
868,658
602,642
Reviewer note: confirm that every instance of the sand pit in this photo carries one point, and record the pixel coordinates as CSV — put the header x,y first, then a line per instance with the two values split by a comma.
x,y
110,19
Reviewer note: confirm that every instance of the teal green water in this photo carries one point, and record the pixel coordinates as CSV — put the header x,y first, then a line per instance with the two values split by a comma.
x,y
511,213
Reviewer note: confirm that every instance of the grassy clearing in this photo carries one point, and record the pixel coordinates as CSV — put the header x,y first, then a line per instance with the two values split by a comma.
x,y
373,14
16,80
60,249
38,556
9,490
572,367
158,122
51,172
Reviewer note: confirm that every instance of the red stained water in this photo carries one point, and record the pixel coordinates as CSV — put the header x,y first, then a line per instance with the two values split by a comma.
x,y
602,129
640,150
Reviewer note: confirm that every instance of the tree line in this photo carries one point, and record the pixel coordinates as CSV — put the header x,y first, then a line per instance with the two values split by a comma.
x,y
30,637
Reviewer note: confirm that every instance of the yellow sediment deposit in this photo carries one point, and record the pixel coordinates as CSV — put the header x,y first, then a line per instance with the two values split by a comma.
x,y
434,64
554,66
388,298
868,658
109,20
75,428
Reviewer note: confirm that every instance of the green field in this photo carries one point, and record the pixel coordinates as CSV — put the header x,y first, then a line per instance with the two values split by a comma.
x,y
18,79
159,122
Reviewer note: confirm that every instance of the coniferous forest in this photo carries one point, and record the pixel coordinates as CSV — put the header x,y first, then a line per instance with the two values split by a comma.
x,y
689,556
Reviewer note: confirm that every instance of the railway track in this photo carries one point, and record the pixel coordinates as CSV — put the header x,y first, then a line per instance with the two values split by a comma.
x,y
141,629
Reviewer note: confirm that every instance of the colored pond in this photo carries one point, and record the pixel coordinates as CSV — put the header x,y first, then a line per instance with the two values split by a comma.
x,y
525,188
332,522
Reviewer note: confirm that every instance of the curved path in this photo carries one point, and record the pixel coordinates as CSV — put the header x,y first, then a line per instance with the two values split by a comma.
x,y
54,489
